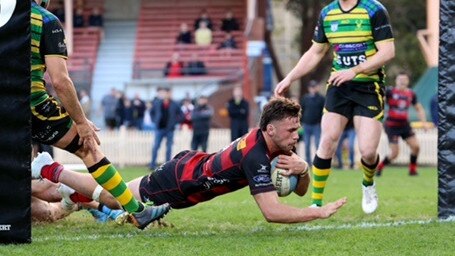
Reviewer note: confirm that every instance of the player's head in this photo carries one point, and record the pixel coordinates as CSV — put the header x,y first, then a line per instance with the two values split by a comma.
x,y
402,80
280,121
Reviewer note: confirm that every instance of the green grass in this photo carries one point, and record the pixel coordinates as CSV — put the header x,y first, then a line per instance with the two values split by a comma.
x,y
404,224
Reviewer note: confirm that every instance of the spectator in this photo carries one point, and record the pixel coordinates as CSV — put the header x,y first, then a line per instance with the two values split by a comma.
x,y
229,23
96,18
86,103
228,43
238,110
204,16
434,108
128,114
312,105
174,68
195,66
201,117
109,105
184,36
147,123
59,11
349,134
203,35
78,19
166,114
187,108
120,108
138,111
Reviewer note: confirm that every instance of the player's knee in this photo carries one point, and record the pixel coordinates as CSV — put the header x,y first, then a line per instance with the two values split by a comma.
x,y
369,154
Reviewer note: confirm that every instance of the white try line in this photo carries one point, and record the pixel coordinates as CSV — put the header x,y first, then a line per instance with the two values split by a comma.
x,y
363,225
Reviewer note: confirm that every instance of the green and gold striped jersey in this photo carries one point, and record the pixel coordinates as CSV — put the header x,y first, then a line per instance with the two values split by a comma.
x,y
48,38
353,34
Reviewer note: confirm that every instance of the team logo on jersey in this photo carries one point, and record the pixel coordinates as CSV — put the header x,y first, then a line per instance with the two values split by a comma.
x,y
334,26
263,169
263,179
6,11
358,24
374,108
242,144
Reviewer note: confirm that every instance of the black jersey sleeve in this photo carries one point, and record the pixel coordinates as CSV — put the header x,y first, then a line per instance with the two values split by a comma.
x,y
380,23
53,40
256,166
319,33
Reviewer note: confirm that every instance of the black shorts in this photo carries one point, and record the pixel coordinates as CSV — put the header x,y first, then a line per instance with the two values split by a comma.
x,y
356,99
162,186
50,122
394,133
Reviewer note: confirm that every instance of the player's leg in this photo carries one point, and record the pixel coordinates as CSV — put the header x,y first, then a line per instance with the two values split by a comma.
x,y
393,137
332,126
47,212
415,149
368,133
45,190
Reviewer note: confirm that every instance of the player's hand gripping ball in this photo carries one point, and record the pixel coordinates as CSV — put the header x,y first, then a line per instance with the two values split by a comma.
x,y
284,185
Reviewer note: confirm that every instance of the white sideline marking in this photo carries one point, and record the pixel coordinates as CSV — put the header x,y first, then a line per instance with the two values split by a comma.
x,y
363,225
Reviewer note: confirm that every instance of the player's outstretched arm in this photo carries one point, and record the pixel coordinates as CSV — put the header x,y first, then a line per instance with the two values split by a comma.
x,y
307,62
276,212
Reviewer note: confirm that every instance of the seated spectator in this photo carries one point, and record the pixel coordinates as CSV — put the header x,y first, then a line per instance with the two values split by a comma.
x,y
184,36
228,43
203,35
96,18
174,68
195,66
204,16
78,19
229,23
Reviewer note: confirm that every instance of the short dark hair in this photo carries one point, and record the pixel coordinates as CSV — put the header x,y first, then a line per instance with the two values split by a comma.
x,y
278,109
404,73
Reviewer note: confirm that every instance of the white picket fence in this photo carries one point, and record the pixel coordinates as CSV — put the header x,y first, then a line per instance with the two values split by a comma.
x,y
133,148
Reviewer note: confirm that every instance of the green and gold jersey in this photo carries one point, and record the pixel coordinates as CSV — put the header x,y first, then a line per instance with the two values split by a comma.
x,y
353,34
48,38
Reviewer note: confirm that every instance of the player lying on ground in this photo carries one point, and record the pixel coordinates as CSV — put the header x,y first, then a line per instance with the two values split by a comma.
x,y
192,177
54,201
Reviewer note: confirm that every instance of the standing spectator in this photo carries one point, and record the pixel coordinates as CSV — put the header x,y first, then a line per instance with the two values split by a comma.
x,y
184,36
349,134
166,114
187,108
238,110
120,108
78,18
174,68
201,117
434,108
86,103
127,113
203,35
228,43
96,18
147,123
138,111
195,66
203,16
59,11
229,23
312,105
109,106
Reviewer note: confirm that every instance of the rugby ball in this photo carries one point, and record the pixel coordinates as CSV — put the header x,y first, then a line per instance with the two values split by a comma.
x,y
284,185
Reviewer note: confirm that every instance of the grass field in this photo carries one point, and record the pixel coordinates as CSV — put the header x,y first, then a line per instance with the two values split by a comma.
x,y
405,224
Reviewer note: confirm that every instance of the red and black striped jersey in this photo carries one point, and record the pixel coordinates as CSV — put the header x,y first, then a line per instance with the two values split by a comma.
x,y
246,161
399,102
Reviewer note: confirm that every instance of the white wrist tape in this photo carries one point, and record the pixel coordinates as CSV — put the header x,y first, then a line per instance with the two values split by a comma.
x,y
96,193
